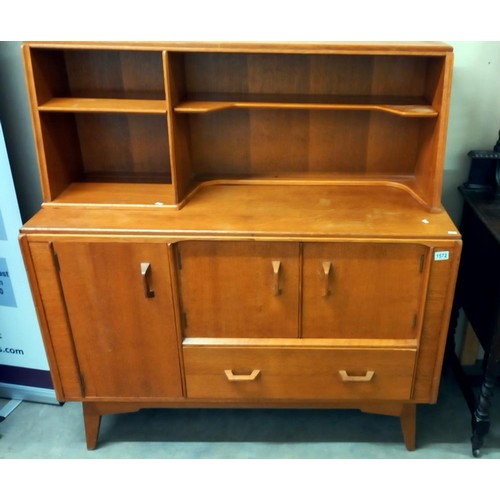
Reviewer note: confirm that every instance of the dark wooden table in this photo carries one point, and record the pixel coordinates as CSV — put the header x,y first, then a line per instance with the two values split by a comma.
x,y
478,294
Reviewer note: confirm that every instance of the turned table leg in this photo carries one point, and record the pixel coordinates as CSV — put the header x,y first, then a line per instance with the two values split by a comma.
x,y
92,420
408,420
481,417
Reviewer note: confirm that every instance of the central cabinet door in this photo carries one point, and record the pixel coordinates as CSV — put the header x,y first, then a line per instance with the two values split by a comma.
x,y
119,302
363,290
239,289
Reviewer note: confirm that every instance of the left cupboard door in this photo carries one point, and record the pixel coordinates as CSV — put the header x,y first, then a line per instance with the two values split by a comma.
x,y
119,302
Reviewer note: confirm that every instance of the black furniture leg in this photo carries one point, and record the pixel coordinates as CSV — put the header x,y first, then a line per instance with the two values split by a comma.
x,y
451,360
481,416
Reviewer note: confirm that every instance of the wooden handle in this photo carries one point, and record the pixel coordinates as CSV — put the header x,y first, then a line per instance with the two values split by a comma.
x,y
356,378
276,271
145,273
241,378
326,278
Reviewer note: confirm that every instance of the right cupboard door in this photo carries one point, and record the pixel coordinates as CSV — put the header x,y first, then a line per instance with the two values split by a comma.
x,y
363,290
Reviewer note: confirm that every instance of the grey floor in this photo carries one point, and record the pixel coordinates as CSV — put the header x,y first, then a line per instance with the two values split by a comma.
x,y
44,431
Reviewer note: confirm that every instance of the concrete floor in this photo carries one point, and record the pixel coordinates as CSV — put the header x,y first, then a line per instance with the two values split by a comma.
x,y
443,431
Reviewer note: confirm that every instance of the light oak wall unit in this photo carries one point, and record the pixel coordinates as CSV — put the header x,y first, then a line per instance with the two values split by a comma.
x,y
242,224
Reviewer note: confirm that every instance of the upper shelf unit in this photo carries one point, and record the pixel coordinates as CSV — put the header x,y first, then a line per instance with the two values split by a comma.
x,y
177,115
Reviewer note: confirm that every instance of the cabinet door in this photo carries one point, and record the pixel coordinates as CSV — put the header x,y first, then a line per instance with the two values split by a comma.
x,y
239,289
363,290
125,340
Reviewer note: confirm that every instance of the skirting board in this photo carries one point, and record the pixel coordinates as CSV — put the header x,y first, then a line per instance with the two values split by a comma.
x,y
26,393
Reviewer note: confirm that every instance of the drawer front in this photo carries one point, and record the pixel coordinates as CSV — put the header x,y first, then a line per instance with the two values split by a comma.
x,y
298,373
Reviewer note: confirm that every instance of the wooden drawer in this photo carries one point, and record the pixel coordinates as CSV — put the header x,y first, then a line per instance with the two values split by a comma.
x,y
230,372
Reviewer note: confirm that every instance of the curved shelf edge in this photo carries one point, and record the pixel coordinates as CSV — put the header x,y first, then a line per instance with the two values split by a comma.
x,y
401,185
404,110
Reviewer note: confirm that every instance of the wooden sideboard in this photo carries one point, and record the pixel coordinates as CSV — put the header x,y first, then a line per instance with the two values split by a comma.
x,y
242,225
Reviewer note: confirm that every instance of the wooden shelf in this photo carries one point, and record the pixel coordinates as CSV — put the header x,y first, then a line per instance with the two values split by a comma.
x,y
415,107
88,105
117,193
401,182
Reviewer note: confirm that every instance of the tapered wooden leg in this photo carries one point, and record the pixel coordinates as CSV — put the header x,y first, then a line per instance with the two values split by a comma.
x,y
92,420
408,420
407,414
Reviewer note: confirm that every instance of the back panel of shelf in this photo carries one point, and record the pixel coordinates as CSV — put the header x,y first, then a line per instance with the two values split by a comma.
x,y
305,75
252,143
105,147
100,74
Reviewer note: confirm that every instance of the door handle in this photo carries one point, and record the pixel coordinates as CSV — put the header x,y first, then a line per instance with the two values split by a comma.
x,y
145,273
356,378
241,378
326,278
276,271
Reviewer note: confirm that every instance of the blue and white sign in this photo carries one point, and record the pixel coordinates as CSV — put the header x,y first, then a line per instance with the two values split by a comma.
x,y
24,371
6,292
3,234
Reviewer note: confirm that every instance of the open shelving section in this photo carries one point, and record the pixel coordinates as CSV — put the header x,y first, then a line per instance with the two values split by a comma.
x,y
102,116
177,115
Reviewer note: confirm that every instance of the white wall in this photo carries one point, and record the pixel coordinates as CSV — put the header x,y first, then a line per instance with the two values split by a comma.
x,y
17,128
474,119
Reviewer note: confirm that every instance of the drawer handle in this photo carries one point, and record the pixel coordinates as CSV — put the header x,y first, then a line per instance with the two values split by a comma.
x,y
356,378
326,277
276,272
241,378
145,273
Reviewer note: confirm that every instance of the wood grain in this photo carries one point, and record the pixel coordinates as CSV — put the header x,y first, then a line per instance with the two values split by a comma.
x,y
92,105
126,343
387,305
291,104
55,327
442,279
297,373
223,282
296,210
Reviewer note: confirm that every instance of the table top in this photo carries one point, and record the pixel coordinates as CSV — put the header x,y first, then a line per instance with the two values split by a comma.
x,y
486,205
